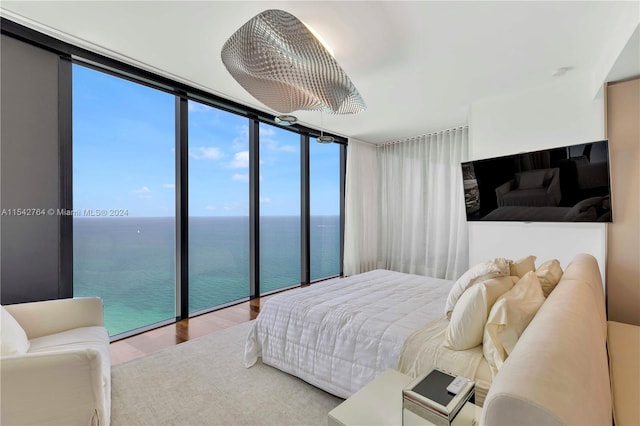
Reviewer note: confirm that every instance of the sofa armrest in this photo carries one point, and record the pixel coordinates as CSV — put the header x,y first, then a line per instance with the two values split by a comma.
x,y
554,193
558,372
63,387
502,190
54,316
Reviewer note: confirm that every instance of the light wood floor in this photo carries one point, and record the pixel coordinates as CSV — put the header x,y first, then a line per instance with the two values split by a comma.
x,y
184,330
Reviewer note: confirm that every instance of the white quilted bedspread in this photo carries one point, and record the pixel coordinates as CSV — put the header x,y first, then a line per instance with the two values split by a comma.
x,y
340,334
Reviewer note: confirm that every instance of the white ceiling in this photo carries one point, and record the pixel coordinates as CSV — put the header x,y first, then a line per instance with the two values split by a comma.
x,y
418,65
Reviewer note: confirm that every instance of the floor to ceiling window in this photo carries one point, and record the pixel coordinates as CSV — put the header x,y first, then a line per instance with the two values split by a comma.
x,y
279,208
125,228
123,198
324,182
218,207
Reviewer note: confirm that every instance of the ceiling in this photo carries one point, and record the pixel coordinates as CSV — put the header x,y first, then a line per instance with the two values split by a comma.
x,y
418,65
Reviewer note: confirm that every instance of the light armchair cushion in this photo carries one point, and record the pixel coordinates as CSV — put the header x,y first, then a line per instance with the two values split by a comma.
x,y
93,338
508,318
14,339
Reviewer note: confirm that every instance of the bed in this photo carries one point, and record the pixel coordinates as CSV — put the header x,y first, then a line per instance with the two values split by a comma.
x,y
531,214
593,209
425,350
338,335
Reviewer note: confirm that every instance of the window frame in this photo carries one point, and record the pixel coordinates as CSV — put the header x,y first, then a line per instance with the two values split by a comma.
x,y
71,54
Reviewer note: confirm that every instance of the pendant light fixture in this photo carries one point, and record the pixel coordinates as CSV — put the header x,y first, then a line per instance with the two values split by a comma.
x,y
278,60
324,138
286,119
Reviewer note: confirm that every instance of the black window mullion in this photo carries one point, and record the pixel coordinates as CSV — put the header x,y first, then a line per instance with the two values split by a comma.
x,y
343,180
305,218
182,208
254,208
65,163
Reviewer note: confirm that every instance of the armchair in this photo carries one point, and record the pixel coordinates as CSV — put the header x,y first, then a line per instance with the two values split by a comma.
x,y
59,373
531,188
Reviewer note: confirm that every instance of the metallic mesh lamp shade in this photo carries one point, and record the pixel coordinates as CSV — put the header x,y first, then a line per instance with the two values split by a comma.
x,y
282,64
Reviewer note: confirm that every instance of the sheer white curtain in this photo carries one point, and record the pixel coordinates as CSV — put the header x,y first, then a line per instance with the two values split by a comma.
x,y
422,226
414,216
361,208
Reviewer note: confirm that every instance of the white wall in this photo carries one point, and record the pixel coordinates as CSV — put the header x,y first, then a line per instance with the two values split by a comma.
x,y
29,173
562,112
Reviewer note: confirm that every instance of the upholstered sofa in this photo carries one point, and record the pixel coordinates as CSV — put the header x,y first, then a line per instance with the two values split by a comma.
x,y
55,368
559,372
531,188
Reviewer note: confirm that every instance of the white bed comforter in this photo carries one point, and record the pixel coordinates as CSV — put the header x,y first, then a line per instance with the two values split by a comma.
x,y
340,334
425,350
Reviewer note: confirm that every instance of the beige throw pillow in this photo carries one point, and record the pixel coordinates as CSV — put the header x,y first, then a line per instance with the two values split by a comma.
x,y
470,314
520,267
549,274
489,269
14,340
508,318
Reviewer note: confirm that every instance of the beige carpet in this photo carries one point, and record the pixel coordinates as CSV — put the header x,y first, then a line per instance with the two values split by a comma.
x,y
204,382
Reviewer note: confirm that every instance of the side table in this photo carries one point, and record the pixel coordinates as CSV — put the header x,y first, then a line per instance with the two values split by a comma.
x,y
380,404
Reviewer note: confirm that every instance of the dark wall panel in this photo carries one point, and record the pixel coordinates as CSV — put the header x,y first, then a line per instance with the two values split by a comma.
x,y
29,175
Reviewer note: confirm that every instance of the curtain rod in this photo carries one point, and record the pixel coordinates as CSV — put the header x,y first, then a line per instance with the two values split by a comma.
x,y
424,134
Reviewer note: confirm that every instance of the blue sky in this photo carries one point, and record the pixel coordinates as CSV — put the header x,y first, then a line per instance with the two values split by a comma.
x,y
124,156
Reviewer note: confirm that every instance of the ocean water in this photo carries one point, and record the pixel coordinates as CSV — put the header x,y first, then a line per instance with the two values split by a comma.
x,y
130,262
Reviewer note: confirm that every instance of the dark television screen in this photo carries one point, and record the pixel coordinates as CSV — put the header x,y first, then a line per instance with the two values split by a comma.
x,y
565,184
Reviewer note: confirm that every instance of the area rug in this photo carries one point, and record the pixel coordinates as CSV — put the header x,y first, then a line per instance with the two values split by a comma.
x,y
204,382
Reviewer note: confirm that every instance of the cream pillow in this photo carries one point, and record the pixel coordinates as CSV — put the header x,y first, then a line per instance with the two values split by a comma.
x,y
520,267
549,274
470,314
489,269
14,340
508,318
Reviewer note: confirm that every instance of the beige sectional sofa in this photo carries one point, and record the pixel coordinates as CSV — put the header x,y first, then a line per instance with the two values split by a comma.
x,y
559,371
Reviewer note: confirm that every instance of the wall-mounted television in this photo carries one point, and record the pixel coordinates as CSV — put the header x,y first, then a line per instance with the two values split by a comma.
x,y
563,184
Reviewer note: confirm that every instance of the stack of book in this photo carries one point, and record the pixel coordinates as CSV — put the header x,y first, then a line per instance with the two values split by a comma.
x,y
428,398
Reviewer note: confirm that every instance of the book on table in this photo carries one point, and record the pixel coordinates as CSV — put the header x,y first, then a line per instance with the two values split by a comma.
x,y
427,397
